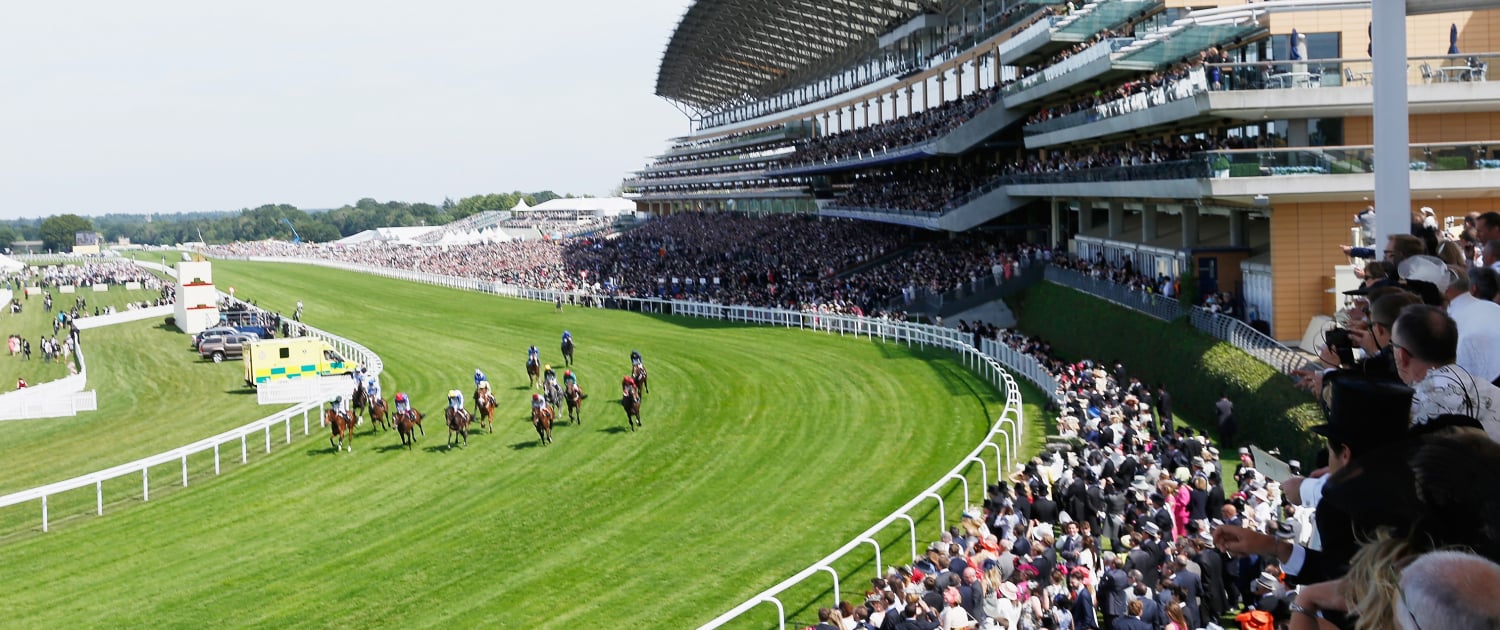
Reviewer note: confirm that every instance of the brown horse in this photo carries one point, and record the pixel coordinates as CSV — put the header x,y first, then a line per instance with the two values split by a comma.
x,y
486,411
343,430
405,422
631,401
541,418
638,374
458,425
533,370
575,397
380,415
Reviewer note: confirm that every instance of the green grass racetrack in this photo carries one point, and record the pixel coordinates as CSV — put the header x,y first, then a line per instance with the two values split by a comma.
x,y
762,450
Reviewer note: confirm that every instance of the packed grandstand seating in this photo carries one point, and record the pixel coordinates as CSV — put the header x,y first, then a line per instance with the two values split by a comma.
x,y
924,187
1126,97
905,131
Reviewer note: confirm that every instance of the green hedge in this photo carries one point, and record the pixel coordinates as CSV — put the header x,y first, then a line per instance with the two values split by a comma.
x,y
1195,367
1453,163
1249,169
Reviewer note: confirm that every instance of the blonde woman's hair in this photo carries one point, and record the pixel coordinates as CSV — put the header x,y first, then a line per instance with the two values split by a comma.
x,y
1373,585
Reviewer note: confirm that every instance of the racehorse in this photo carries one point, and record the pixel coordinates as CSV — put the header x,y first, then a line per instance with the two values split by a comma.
x,y
486,411
343,430
567,351
404,424
638,374
380,415
458,423
541,418
575,397
357,405
533,370
632,405
553,393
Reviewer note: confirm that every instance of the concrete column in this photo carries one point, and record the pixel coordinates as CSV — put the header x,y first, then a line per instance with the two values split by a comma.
x,y
1189,226
942,81
1239,225
1296,133
1057,223
995,52
958,82
1085,216
1148,223
867,113
1392,134
1116,219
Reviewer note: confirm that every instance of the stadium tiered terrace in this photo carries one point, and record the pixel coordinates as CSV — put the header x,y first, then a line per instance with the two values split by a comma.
x,y
1209,140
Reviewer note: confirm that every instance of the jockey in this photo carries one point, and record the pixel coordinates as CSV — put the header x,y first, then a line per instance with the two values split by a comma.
x,y
635,358
538,402
339,406
455,400
549,376
372,388
480,391
627,387
402,404
568,379
567,337
478,377
533,356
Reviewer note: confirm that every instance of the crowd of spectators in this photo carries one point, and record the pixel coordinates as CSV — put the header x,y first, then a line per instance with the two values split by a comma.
x,y
925,187
928,124
1132,95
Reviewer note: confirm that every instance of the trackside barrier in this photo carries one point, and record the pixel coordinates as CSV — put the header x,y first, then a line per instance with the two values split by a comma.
x,y
1222,327
994,363
243,435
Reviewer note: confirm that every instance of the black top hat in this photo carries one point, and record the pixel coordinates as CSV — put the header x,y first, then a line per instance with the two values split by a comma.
x,y
1364,412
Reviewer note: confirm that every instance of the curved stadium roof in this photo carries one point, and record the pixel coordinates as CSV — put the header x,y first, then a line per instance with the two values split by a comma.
x,y
726,52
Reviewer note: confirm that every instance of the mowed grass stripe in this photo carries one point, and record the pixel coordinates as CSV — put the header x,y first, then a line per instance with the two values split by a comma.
x,y
763,449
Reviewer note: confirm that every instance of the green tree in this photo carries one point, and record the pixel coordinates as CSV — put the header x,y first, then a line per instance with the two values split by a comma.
x,y
7,236
58,231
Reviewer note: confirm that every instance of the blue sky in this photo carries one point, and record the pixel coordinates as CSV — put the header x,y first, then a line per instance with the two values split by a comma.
x,y
168,107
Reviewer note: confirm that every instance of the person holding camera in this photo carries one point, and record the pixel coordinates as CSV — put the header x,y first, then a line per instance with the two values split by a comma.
x,y
1371,333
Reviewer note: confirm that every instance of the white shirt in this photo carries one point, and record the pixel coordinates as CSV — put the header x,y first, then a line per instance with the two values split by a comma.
x,y
1450,389
1478,335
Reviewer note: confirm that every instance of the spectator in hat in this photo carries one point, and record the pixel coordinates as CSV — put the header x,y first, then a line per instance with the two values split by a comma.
x,y
1145,557
1426,342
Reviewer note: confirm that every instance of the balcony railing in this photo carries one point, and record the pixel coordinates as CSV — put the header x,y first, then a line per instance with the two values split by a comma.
x,y
1062,68
1344,160
1193,168
1195,83
1356,72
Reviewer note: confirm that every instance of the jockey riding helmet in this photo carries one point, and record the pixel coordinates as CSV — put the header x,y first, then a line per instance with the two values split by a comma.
x,y
338,400
400,397
484,384
476,371
567,372
547,368
533,348
567,334
453,393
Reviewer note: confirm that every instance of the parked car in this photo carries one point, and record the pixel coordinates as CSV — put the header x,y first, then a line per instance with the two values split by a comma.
x,y
226,346
209,333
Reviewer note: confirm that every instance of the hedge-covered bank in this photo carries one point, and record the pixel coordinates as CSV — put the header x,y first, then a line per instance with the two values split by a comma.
x,y
1195,366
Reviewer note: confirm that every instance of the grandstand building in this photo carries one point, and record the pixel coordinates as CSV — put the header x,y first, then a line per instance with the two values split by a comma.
x,y
1226,140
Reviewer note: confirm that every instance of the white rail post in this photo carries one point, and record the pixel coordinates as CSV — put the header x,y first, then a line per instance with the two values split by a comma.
x,y
288,429
780,610
244,450
999,466
44,512
835,575
942,511
912,526
99,496
145,483
984,472
268,438
876,545
965,481
216,459
184,470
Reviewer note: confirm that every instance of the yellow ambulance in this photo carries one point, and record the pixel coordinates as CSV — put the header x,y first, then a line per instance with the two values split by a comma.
x,y
296,357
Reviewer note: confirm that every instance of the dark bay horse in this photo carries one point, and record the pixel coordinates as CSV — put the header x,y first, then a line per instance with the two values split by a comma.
x,y
405,423
533,370
567,352
458,426
486,411
638,374
541,418
632,404
343,430
380,415
358,401
575,397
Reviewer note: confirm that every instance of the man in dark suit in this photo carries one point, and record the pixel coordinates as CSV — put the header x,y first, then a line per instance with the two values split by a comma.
x,y
1132,620
1211,566
1141,559
1161,517
1043,508
1070,544
825,620
1192,589
1151,610
917,617
1083,605
1111,588
1164,408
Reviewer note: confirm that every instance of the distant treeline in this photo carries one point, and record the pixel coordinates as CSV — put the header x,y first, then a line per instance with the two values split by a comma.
x,y
319,226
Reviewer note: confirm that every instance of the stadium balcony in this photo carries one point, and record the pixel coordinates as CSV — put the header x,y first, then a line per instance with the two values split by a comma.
x,y
1256,91
705,178
761,159
1052,35
974,208
744,192
782,134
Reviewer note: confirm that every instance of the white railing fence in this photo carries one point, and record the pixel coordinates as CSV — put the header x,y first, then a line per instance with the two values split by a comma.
x,y
991,363
242,435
